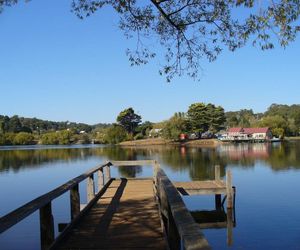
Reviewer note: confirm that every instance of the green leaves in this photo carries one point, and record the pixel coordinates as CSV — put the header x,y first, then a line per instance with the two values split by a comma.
x,y
206,117
129,120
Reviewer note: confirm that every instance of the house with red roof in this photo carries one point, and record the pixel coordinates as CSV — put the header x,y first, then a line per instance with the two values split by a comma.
x,y
259,133
247,134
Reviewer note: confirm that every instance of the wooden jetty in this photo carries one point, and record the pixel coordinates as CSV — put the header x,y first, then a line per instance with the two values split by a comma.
x,y
218,217
139,213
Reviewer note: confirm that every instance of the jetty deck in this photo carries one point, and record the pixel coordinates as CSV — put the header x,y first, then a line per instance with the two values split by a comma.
x,y
125,217
137,213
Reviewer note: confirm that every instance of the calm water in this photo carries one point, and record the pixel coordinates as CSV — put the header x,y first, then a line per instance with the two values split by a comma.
x,y
267,178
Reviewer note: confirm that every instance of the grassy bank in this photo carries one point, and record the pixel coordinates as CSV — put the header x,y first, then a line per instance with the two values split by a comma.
x,y
159,141
292,138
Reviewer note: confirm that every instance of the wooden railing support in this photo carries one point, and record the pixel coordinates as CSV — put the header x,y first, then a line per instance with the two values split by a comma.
x,y
107,173
180,227
100,179
74,201
155,170
46,226
90,188
217,173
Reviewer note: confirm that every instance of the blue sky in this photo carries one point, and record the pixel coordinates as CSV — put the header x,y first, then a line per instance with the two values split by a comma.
x,y
54,66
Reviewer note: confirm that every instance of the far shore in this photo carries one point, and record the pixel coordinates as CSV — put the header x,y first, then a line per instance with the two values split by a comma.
x,y
160,141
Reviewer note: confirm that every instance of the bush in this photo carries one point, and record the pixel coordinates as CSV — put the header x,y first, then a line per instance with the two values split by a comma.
x,y
9,138
59,137
2,139
23,138
49,138
115,134
138,136
175,126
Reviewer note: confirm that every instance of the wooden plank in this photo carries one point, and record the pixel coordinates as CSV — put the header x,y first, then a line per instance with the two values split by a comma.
x,y
22,212
201,187
84,209
74,201
46,226
125,217
213,225
202,191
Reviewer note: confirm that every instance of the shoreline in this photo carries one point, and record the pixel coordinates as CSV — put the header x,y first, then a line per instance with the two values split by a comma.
x,y
160,142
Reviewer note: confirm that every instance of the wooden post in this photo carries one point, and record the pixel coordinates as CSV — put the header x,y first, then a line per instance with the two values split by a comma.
x,y
90,188
75,201
107,174
155,170
218,201
229,226
217,172
229,189
100,179
46,226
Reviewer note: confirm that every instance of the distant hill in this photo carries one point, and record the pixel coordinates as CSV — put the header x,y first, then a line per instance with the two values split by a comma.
x,y
18,124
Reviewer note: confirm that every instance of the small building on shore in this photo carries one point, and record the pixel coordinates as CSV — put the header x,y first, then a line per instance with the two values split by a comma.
x,y
247,134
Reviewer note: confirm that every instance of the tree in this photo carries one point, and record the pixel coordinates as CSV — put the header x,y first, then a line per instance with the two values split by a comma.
x,y
175,126
197,114
190,30
277,123
129,120
15,125
217,118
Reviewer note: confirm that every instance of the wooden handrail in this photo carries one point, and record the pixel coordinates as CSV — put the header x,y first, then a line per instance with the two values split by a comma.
x,y
22,212
180,227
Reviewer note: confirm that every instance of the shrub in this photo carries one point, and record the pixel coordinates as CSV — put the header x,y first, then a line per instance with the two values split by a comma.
x,y
23,138
115,134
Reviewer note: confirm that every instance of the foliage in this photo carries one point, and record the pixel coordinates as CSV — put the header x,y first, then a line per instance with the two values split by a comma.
x,y
216,117
2,139
278,132
142,131
129,120
60,137
242,118
206,117
17,124
277,123
282,119
175,126
115,134
9,138
197,114
23,138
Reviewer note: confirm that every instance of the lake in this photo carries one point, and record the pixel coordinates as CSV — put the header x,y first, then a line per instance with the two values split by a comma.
x,y
266,177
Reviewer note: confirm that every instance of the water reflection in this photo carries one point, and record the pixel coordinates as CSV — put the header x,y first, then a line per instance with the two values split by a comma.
x,y
130,171
199,162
